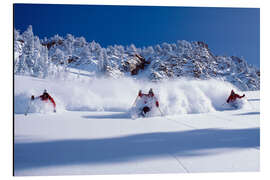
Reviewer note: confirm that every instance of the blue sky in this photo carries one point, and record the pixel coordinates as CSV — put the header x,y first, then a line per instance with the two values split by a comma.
x,y
227,31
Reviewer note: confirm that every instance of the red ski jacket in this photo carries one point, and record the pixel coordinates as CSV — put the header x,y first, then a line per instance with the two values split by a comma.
x,y
233,97
46,97
149,96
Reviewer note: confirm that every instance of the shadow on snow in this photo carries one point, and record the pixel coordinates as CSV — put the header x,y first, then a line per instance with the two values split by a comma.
x,y
127,148
248,113
253,99
109,116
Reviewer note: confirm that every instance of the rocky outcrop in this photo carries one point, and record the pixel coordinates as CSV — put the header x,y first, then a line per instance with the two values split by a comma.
x,y
135,64
52,43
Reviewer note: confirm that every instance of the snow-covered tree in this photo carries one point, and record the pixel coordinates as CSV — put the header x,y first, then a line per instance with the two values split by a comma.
x,y
166,47
80,42
58,57
132,49
103,61
85,54
158,49
148,52
16,35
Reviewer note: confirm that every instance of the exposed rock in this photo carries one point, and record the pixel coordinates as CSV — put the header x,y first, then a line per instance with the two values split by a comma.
x,y
52,43
135,64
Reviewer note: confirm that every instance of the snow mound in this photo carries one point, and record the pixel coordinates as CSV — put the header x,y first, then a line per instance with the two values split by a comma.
x,y
181,96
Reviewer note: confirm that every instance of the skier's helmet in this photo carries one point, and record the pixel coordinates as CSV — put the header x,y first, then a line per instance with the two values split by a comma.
x,y
45,91
151,93
232,92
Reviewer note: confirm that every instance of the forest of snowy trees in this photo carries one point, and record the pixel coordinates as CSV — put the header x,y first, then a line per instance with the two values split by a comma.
x,y
52,57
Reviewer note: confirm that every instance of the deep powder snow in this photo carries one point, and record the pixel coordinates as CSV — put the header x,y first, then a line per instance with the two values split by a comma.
x,y
182,96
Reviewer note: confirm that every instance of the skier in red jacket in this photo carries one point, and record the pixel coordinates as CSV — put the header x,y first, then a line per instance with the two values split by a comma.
x,y
147,101
45,97
233,96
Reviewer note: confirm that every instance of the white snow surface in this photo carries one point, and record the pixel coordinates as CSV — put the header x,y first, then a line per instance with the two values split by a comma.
x,y
93,132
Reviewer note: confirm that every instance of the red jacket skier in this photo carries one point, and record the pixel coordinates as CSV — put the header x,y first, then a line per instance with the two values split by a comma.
x,y
148,97
45,97
233,96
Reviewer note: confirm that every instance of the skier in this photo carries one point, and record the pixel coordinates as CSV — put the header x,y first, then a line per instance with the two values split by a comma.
x,y
45,97
233,96
147,101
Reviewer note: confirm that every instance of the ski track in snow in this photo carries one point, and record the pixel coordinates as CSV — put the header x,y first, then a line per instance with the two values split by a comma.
x,y
181,123
95,134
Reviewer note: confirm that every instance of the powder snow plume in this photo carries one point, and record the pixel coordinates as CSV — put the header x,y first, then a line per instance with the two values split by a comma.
x,y
182,96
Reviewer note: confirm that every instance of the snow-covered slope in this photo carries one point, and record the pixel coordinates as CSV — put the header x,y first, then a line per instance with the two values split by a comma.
x,y
94,88
54,56
92,132
182,96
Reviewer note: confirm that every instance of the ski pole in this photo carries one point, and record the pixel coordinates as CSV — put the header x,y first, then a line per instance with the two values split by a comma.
x,y
134,101
29,104
26,112
160,111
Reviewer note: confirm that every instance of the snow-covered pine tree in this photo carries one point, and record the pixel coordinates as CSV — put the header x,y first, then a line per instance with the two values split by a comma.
x,y
103,61
28,50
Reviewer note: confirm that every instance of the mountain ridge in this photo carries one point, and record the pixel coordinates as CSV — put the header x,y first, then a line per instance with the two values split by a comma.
x,y
47,57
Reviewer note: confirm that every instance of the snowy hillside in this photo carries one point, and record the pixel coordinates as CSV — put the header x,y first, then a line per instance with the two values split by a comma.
x,y
53,57
92,132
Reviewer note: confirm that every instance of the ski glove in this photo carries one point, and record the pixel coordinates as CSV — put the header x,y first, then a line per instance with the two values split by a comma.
x,y
32,97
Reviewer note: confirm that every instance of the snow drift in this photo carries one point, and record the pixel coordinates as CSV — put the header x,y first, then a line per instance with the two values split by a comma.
x,y
182,96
